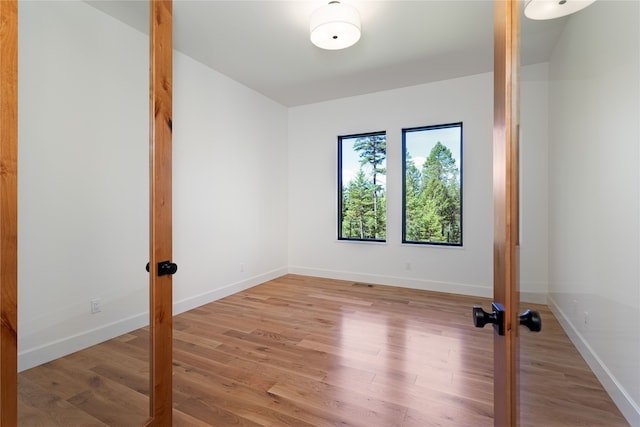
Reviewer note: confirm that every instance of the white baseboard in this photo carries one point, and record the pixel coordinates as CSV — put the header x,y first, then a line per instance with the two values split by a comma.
x,y
426,285
53,350
629,408
210,296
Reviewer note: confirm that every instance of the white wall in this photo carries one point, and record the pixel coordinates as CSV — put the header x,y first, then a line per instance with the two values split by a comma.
x,y
534,142
594,193
313,130
83,181
230,186
313,246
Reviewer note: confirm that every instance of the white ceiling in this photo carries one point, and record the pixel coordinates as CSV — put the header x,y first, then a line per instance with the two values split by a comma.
x,y
265,44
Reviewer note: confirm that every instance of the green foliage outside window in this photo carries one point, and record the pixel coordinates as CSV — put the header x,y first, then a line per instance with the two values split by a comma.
x,y
362,181
433,185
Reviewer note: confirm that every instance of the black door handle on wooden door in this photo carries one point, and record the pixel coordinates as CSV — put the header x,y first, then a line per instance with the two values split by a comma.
x,y
165,268
531,319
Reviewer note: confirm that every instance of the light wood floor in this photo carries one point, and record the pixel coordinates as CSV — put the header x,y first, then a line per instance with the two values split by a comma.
x,y
301,351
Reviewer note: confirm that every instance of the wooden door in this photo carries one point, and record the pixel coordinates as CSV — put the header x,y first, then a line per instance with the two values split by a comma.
x,y
160,284
8,212
506,214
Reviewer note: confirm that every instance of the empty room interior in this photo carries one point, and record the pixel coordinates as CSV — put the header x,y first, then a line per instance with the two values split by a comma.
x,y
279,318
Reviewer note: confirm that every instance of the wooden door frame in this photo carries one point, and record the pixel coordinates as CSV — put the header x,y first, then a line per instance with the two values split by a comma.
x,y
160,234
8,213
506,210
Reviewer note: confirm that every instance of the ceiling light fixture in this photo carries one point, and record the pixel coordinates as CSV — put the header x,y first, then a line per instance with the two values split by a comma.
x,y
550,9
335,26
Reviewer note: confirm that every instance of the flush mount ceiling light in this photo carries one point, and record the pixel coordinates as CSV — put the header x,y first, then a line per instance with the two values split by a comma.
x,y
335,26
550,9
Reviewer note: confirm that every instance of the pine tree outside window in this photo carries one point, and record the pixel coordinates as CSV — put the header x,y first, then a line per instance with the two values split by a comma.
x,y
362,189
432,185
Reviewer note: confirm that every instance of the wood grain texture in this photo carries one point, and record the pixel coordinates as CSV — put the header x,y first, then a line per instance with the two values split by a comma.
x,y
505,202
302,351
8,211
160,287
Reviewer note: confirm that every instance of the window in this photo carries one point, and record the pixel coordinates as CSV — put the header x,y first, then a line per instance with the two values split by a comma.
x,y
432,185
362,192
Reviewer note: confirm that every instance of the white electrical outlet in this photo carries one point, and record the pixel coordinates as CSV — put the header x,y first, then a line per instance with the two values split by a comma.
x,y
241,267
407,266
95,306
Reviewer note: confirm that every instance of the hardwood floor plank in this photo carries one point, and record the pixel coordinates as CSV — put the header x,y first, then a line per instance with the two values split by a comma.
x,y
214,415
38,407
332,410
439,418
241,403
112,403
181,419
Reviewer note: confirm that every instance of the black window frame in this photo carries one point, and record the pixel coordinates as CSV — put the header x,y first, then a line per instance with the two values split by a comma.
x,y
340,187
405,131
